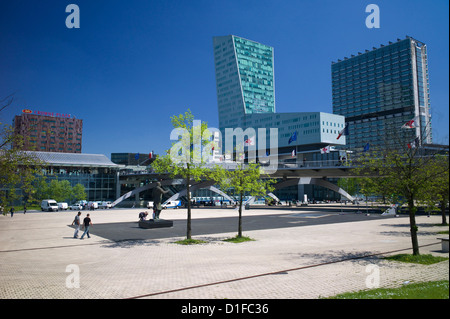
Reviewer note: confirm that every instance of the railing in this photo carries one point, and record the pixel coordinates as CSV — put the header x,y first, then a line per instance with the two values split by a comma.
x,y
316,164
233,165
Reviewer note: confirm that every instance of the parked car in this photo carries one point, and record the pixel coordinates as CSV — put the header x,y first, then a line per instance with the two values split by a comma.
x,y
104,205
76,206
63,206
171,204
49,205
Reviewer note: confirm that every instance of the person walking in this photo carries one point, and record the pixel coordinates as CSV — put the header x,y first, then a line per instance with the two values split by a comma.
x,y
87,223
77,223
12,211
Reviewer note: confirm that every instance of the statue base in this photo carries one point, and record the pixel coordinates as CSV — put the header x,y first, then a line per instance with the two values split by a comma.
x,y
158,223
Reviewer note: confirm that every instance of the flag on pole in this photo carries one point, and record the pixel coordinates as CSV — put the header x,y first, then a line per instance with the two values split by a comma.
x,y
150,155
411,123
414,143
343,132
366,147
136,156
293,137
325,149
249,141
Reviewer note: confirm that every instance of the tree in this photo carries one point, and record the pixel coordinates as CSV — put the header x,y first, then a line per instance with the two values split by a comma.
x,y
42,189
351,185
246,179
18,168
185,158
405,173
78,193
60,191
438,187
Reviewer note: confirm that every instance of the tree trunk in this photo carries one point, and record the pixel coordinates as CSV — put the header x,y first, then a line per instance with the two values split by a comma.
x,y
413,227
188,196
443,207
240,216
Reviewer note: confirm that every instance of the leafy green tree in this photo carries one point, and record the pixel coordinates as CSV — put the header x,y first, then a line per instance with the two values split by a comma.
x,y
79,192
60,191
185,158
406,174
18,169
42,189
245,180
438,187
351,185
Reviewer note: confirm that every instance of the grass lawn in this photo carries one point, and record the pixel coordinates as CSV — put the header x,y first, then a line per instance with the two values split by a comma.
x,y
190,242
422,290
237,239
420,259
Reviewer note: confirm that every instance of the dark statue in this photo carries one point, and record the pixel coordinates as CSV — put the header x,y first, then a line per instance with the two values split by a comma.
x,y
158,191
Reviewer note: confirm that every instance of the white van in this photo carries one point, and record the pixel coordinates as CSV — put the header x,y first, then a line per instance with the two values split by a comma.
x,y
49,205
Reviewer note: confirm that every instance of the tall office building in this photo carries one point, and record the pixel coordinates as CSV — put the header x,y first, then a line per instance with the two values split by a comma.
x,y
380,90
48,131
244,79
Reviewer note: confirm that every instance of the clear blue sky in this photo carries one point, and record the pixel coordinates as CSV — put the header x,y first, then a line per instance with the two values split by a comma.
x,y
133,64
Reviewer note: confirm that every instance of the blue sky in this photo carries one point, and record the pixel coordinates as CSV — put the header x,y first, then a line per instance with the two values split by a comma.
x,y
133,64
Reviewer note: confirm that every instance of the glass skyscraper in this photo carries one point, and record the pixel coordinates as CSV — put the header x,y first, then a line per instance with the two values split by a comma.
x,y
380,90
244,79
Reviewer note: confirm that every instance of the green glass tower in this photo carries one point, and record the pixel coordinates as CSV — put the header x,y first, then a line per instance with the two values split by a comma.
x,y
244,79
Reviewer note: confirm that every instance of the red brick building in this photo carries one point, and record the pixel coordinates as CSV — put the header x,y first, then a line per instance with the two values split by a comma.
x,y
49,132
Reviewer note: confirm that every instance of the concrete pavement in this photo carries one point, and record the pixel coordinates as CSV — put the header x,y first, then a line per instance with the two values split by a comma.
x,y
298,253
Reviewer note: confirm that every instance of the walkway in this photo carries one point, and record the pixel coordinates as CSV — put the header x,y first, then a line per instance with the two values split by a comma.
x,y
298,254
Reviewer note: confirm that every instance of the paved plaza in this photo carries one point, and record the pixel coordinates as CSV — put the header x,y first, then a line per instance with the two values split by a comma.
x,y
298,253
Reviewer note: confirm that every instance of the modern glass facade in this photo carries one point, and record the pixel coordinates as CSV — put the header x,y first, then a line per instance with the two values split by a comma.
x,y
132,158
95,172
244,79
100,184
380,90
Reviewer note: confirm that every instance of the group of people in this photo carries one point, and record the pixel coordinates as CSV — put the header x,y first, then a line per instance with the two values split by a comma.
x,y
86,222
12,210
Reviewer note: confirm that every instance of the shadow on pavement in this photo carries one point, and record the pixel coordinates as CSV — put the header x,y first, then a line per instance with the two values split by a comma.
x,y
124,233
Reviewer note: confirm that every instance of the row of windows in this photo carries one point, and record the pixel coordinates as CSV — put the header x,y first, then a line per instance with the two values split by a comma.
x,y
391,64
43,148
